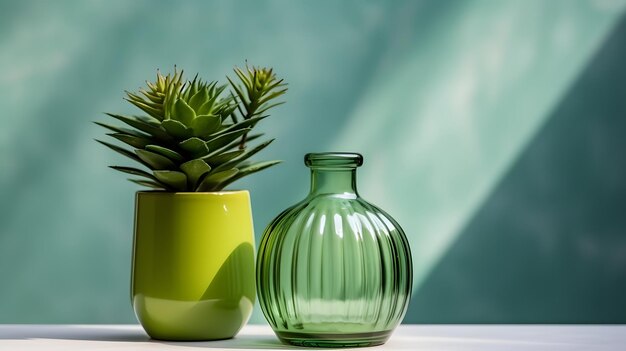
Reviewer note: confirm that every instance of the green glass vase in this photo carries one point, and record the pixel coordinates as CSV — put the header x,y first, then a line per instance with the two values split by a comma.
x,y
334,270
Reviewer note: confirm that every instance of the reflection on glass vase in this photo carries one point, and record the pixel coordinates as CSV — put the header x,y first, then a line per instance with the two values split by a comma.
x,y
334,270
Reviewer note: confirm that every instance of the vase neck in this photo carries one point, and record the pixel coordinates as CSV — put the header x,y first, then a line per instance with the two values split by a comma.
x,y
333,173
340,182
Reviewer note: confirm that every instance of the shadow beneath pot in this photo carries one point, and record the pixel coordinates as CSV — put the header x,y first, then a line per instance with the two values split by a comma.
x,y
247,341
254,337
114,333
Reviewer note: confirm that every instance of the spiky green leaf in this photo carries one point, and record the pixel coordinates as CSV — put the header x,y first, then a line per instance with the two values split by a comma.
x,y
248,123
246,155
177,129
133,171
194,170
216,160
144,106
205,125
190,89
237,143
155,97
213,93
224,139
174,179
171,154
271,96
148,183
195,147
121,130
250,169
134,141
247,81
264,108
122,151
183,113
213,181
199,99
242,97
154,160
142,125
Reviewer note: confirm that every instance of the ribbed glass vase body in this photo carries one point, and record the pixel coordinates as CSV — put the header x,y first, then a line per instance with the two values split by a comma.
x,y
334,270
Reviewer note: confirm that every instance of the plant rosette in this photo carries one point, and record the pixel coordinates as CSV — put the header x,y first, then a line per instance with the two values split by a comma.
x,y
193,249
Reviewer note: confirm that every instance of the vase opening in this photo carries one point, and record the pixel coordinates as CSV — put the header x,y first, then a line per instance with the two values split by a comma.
x,y
333,160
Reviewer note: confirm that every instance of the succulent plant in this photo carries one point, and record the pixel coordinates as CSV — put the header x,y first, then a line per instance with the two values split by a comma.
x,y
194,136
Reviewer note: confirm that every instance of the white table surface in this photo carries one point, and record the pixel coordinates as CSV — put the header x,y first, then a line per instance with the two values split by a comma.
x,y
261,337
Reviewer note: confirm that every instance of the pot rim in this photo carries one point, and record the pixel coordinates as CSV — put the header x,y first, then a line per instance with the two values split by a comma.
x,y
191,193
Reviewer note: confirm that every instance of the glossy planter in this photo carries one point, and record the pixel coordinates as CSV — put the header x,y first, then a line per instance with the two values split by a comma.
x,y
193,264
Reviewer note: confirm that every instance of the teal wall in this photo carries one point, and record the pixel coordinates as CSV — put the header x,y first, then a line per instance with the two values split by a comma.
x,y
494,131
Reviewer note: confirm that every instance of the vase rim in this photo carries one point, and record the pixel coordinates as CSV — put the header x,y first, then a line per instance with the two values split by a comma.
x,y
333,160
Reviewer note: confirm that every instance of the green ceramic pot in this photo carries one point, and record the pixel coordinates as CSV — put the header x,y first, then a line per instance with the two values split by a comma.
x,y
193,264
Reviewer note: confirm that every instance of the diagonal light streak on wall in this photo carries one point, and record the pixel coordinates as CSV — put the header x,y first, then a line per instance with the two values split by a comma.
x,y
448,117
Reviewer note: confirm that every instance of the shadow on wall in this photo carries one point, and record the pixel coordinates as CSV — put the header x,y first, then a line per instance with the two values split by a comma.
x,y
549,244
